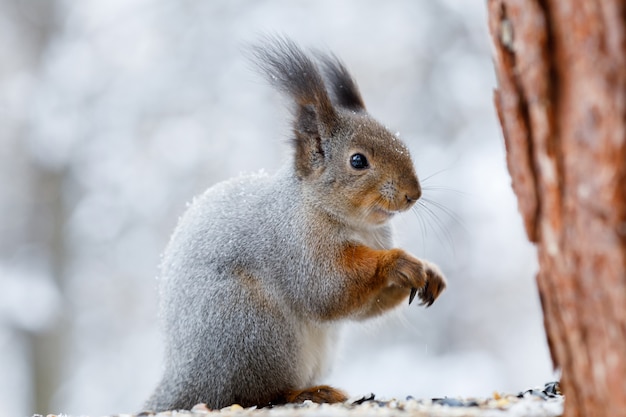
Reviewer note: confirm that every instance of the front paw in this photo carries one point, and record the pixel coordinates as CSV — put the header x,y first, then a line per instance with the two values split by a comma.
x,y
424,279
434,285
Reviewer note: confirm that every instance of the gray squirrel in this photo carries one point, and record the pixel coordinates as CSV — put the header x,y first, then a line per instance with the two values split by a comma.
x,y
261,270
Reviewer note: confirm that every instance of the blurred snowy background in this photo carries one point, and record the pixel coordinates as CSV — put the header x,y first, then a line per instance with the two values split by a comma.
x,y
115,113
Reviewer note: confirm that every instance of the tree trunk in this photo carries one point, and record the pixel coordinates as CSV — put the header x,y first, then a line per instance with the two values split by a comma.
x,y
49,347
561,100
35,25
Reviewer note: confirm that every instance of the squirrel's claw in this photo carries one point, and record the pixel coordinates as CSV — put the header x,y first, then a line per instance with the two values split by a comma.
x,y
434,286
428,300
428,293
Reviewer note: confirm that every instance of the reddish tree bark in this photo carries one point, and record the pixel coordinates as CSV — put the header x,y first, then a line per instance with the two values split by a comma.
x,y
561,100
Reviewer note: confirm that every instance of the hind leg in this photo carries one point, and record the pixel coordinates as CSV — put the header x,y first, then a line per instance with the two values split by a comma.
x,y
318,394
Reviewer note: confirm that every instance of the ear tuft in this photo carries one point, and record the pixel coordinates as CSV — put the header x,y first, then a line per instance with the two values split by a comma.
x,y
288,68
344,88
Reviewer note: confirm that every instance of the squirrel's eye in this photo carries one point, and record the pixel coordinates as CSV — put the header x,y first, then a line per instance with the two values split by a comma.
x,y
358,161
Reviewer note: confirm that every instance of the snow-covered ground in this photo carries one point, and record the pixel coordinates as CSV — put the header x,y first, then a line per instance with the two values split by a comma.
x,y
114,114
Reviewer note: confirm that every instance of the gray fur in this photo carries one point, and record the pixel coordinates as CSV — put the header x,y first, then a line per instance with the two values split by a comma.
x,y
249,278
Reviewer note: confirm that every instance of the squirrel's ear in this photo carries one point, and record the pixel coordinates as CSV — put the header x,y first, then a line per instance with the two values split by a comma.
x,y
345,91
309,128
292,71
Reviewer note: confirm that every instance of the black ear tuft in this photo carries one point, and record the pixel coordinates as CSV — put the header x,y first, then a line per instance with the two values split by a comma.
x,y
288,68
344,88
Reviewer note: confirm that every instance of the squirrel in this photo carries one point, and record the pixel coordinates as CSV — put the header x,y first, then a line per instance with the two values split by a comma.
x,y
261,269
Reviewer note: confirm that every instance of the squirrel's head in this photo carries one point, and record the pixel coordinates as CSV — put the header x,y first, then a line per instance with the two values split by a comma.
x,y
349,164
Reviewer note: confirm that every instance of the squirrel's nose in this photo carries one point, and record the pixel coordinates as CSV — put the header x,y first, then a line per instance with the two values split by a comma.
x,y
413,195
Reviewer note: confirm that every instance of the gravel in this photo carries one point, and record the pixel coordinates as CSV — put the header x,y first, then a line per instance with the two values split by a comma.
x,y
537,402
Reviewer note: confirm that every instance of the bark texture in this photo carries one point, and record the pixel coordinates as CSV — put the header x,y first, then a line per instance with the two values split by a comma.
x,y
561,100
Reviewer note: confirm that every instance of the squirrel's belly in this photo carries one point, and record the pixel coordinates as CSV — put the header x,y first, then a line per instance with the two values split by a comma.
x,y
317,345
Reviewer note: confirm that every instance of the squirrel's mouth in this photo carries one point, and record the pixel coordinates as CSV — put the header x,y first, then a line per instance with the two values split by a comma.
x,y
387,212
380,215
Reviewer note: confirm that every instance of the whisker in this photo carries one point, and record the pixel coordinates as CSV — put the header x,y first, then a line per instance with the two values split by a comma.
x,y
438,188
422,226
434,174
438,226
455,218
425,224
